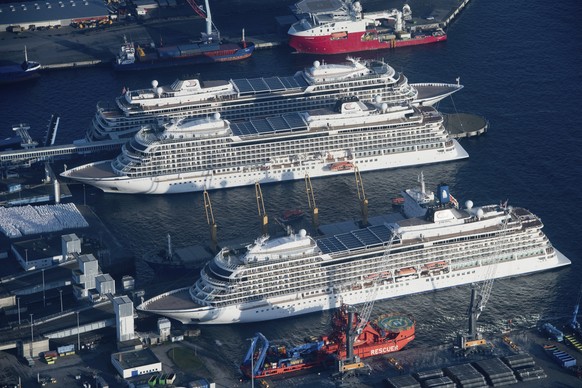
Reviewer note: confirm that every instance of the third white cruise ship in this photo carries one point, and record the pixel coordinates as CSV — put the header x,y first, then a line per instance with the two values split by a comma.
x,y
317,86
296,274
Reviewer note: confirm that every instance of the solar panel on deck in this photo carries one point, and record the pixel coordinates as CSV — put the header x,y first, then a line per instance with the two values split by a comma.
x,y
288,82
366,237
300,81
258,85
330,244
294,120
274,83
350,241
261,125
277,123
243,85
372,236
381,231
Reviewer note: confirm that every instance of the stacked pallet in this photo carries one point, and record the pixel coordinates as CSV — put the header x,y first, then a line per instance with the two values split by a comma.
x,y
524,367
466,376
402,382
496,372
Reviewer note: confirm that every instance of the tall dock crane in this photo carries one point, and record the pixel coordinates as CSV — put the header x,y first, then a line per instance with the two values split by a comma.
x,y
311,203
210,221
361,196
264,219
352,362
480,294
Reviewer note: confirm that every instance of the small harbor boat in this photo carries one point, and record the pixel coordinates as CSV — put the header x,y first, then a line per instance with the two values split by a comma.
x,y
15,73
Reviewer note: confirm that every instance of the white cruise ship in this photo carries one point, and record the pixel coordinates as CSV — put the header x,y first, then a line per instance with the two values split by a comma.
x,y
213,153
296,274
315,87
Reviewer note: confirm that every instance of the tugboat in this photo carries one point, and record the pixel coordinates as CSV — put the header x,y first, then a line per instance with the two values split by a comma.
x,y
389,333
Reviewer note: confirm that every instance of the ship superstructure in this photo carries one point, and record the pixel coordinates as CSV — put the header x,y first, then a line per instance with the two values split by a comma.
x,y
341,26
296,274
315,87
213,153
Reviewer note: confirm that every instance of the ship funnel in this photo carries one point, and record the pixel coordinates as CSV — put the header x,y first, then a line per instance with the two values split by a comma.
x,y
443,193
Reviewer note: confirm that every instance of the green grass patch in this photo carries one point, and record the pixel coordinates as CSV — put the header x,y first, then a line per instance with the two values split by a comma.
x,y
186,360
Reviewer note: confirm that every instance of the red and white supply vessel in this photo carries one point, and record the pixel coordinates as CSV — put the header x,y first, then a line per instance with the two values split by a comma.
x,y
340,26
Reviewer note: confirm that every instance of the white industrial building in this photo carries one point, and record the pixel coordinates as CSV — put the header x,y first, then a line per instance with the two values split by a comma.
x,y
123,307
50,13
136,363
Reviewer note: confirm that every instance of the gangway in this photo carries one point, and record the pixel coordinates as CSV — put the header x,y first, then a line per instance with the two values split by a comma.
x,y
311,203
361,196
210,221
264,219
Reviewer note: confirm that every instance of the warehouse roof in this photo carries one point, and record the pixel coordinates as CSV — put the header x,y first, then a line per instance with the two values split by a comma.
x,y
29,12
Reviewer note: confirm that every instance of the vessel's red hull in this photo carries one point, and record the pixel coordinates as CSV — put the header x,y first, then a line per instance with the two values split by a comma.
x,y
354,43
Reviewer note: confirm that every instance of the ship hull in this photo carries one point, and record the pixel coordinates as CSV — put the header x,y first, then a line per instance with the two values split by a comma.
x,y
192,182
221,55
285,306
354,43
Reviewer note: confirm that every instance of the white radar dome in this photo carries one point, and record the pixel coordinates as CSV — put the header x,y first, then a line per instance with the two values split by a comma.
x,y
378,99
302,233
217,116
469,204
316,64
154,84
159,90
479,213
384,107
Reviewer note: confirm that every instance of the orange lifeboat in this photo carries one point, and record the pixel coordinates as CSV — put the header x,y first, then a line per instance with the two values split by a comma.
x,y
341,166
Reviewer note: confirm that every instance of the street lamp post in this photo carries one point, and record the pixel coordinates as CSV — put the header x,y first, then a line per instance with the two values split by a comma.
x,y
43,290
31,334
252,362
78,334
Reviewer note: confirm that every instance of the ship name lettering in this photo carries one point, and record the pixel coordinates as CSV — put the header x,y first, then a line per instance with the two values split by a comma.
x,y
387,349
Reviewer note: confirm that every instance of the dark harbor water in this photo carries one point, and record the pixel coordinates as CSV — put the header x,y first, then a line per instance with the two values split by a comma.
x,y
522,74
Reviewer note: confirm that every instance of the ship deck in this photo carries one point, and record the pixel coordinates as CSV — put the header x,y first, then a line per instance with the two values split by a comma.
x,y
100,170
428,91
173,300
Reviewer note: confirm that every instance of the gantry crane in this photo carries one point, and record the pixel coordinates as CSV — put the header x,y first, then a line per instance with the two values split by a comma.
x,y
311,203
264,219
480,293
361,196
210,221
352,362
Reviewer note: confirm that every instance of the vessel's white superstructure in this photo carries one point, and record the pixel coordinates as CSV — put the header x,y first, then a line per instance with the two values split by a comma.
x,y
315,87
296,274
212,153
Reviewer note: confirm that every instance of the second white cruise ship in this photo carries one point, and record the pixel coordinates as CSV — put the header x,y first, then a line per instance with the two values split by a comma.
x,y
213,153
317,86
296,274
